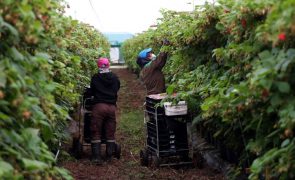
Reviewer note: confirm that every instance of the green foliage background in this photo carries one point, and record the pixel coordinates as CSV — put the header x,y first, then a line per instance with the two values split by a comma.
x,y
234,62
46,59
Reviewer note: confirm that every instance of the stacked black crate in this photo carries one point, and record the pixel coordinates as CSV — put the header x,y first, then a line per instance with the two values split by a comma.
x,y
157,124
178,134
172,133
87,112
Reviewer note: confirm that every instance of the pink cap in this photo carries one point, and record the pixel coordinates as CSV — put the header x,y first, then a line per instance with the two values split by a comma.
x,y
103,63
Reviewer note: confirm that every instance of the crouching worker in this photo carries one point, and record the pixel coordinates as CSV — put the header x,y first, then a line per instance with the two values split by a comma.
x,y
104,87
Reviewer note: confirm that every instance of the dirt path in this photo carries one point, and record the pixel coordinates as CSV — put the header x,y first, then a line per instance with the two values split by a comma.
x,y
131,98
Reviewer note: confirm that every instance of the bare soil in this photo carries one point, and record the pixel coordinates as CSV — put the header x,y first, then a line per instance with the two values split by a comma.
x,y
131,97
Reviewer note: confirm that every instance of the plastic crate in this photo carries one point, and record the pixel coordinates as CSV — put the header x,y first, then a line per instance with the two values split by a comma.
x,y
174,110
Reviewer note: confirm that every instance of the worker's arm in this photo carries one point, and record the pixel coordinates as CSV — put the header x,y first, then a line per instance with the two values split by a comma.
x,y
160,61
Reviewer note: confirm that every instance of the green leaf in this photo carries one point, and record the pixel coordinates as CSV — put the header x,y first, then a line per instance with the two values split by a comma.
x,y
266,83
284,87
26,8
47,132
216,134
170,90
11,29
76,59
50,87
219,26
38,25
285,65
208,102
65,173
262,71
44,56
16,55
275,100
1,20
33,164
291,53
264,55
59,64
2,78
32,138
285,143
5,168
256,165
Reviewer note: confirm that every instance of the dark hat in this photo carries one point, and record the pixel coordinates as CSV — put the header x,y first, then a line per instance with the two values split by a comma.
x,y
142,62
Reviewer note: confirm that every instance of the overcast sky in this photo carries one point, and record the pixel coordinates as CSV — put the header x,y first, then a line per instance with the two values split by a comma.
x,y
132,16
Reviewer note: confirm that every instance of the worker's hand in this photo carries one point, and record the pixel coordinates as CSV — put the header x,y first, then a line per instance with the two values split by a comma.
x,y
166,42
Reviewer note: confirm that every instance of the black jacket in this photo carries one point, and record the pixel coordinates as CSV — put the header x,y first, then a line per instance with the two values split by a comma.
x,y
104,87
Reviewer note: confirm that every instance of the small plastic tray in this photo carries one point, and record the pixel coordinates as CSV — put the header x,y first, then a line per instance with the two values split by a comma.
x,y
175,110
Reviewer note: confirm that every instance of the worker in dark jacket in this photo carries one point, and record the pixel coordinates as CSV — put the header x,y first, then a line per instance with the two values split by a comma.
x,y
151,70
104,87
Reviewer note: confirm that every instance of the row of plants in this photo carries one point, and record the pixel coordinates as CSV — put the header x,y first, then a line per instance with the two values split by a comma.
x,y
46,59
234,62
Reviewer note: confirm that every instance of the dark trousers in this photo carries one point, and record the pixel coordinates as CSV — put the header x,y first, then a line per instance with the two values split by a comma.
x,y
103,116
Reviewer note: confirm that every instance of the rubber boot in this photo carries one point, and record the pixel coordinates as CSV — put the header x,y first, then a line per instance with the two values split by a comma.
x,y
109,150
96,157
